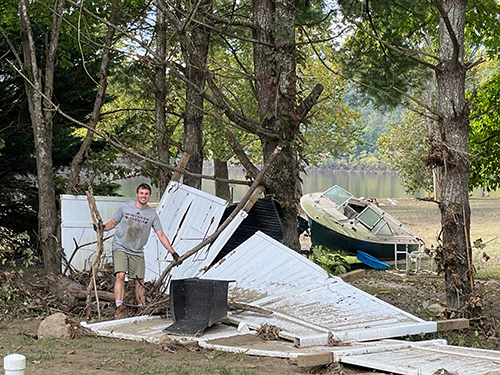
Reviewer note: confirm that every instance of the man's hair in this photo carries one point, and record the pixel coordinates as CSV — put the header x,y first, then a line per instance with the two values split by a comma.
x,y
143,186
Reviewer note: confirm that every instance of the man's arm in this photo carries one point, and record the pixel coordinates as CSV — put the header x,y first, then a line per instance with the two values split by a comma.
x,y
166,244
109,225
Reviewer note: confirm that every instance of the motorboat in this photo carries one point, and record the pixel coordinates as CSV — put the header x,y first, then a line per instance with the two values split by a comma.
x,y
340,221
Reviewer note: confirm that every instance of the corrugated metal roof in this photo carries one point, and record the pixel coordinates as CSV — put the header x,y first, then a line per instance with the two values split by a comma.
x,y
308,305
265,216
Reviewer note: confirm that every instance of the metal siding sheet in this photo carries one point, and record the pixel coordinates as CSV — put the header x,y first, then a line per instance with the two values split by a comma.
x,y
210,253
307,303
428,359
76,225
188,216
263,267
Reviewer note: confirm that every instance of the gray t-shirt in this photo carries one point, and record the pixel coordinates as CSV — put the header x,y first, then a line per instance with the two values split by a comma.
x,y
134,227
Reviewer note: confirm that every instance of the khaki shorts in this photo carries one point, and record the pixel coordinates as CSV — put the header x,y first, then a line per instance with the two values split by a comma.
x,y
134,265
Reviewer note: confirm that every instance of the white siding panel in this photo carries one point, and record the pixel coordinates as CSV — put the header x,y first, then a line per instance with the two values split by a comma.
x,y
76,225
429,359
263,266
307,304
188,217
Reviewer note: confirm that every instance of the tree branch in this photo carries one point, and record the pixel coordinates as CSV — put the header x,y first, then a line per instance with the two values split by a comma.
x,y
402,51
449,28
240,153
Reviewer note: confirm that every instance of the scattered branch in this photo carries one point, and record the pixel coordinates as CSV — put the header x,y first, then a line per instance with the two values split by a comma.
x,y
96,218
241,155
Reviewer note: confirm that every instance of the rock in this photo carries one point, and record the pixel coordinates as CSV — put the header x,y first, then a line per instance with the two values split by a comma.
x,y
435,307
55,326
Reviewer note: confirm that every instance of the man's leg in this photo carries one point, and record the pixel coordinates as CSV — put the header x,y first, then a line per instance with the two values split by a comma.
x,y
137,268
140,292
119,291
119,288
120,262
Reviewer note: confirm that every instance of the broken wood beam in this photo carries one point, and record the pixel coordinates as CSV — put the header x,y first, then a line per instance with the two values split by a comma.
x,y
353,275
223,226
82,294
181,165
452,324
308,360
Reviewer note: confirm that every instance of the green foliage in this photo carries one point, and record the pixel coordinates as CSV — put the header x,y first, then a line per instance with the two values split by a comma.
x,y
15,248
482,28
403,148
484,136
332,262
333,128
377,69
383,75
14,300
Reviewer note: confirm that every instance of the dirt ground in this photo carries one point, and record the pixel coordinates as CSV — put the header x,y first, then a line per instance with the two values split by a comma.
x,y
422,294
97,355
419,295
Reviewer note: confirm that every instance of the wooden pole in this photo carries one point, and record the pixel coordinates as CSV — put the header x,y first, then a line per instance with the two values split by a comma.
x,y
96,218
181,165
468,252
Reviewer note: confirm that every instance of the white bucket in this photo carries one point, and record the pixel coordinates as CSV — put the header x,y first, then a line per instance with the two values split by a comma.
x,y
14,364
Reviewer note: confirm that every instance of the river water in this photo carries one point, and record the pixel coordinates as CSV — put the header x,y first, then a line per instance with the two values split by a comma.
x,y
368,185
359,184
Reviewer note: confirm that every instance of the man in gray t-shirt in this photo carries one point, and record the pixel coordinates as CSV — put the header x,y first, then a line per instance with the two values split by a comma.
x,y
133,222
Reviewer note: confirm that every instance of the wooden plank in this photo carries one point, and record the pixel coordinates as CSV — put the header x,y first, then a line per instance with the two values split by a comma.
x,y
452,324
307,360
182,164
353,275
259,191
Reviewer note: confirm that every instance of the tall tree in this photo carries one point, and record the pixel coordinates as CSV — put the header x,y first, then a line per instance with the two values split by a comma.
x,y
162,136
39,89
397,45
192,26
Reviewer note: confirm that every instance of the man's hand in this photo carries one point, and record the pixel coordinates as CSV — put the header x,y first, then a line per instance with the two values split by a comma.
x,y
175,256
101,226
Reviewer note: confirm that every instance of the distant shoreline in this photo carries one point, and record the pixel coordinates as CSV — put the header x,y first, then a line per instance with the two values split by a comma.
x,y
208,168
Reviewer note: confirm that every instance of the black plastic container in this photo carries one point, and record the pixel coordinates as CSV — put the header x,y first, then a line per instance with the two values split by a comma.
x,y
196,304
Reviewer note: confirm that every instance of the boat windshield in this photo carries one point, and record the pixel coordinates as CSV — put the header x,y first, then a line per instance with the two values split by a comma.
x,y
374,221
337,195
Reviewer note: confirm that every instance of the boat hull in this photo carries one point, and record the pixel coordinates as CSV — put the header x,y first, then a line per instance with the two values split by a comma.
x,y
326,237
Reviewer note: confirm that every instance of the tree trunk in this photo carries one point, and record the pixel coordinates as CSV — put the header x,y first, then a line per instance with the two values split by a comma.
x,y
162,135
196,57
222,187
277,103
454,129
42,131
434,133
83,153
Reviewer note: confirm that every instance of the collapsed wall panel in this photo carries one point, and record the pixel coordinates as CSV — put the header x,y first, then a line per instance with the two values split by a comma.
x,y
309,307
